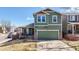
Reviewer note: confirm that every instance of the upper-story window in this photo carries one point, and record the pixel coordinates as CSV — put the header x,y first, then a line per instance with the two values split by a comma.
x,y
72,17
54,19
41,19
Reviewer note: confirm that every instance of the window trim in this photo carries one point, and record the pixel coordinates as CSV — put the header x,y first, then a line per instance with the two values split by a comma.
x,y
72,18
56,19
37,19
41,19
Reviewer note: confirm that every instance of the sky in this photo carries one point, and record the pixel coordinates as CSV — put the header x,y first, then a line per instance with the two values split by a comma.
x,y
21,16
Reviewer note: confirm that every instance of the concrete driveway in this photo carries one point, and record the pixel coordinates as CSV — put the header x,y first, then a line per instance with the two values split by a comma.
x,y
55,45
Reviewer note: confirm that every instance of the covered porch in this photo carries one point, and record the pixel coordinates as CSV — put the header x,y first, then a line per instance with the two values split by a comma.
x,y
73,31
73,28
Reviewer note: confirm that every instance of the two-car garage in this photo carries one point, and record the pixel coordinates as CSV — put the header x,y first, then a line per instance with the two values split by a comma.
x,y
47,34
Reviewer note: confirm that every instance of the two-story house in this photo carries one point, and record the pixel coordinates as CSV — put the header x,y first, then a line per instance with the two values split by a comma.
x,y
72,21
47,25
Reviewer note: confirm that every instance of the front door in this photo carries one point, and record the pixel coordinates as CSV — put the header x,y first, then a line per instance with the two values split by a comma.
x,y
31,31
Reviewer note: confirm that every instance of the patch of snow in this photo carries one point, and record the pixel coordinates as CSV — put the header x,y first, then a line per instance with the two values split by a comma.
x,y
8,39
3,38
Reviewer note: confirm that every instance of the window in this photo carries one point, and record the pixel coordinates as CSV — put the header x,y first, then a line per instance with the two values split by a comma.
x,y
54,18
41,19
72,18
76,17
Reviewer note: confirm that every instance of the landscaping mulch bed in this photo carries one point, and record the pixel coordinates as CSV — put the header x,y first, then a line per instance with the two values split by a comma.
x,y
72,37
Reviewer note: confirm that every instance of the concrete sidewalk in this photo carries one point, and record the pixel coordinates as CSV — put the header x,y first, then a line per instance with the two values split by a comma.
x,y
3,38
55,45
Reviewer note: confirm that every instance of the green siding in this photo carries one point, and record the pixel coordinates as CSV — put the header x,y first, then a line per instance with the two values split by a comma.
x,y
54,27
48,27
58,19
49,19
48,35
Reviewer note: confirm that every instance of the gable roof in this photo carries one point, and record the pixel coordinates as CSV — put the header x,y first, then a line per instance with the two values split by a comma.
x,y
46,11
40,12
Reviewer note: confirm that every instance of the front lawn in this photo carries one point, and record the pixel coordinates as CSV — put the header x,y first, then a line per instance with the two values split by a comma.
x,y
24,45
18,45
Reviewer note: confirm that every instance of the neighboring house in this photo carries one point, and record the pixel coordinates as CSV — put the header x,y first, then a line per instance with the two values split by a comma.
x,y
48,25
25,30
19,33
12,28
30,29
72,21
19,29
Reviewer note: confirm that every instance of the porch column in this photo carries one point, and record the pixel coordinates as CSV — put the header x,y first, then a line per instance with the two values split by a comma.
x,y
73,29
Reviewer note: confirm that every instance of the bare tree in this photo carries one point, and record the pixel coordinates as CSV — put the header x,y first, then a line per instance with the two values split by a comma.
x,y
6,25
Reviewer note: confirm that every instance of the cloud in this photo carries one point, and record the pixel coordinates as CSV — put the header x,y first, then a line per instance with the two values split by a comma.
x,y
70,9
73,9
29,18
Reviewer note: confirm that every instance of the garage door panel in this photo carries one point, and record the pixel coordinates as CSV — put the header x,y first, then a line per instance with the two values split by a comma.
x,y
48,35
